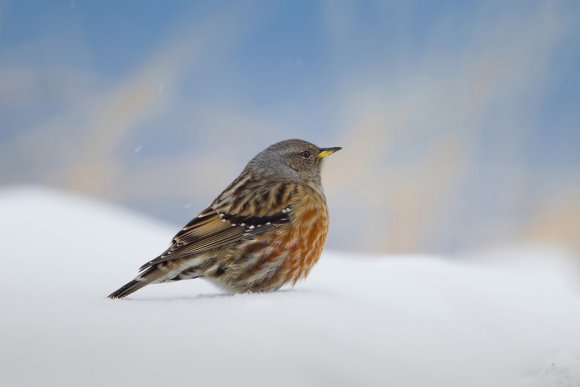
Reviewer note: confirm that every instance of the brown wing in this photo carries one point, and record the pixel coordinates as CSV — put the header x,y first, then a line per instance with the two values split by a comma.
x,y
226,222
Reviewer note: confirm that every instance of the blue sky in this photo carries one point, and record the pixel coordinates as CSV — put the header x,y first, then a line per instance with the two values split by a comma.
x,y
287,54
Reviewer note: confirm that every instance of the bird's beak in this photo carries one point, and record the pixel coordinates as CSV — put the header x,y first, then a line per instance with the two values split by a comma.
x,y
327,151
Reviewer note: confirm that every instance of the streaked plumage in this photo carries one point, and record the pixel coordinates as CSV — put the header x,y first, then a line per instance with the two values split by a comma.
x,y
266,229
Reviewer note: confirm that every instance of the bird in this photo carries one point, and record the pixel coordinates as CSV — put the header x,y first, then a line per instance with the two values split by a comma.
x,y
265,230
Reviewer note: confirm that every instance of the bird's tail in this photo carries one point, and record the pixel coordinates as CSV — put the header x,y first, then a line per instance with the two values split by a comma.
x,y
127,289
151,275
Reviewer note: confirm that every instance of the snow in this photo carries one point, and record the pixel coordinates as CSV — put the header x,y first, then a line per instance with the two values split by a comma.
x,y
504,318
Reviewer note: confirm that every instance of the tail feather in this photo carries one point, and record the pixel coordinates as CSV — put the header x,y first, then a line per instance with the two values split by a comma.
x,y
129,288
162,272
151,275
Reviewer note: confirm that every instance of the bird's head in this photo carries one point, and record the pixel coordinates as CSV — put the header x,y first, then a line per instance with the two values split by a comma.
x,y
291,160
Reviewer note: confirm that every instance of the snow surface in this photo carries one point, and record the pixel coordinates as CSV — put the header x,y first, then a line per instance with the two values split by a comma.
x,y
509,318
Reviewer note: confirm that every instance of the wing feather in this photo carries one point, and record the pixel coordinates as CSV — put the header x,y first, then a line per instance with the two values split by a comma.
x,y
223,224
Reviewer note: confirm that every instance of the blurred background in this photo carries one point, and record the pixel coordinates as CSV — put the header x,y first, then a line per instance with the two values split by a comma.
x,y
460,120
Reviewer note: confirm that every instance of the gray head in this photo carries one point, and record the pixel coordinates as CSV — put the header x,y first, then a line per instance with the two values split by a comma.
x,y
291,160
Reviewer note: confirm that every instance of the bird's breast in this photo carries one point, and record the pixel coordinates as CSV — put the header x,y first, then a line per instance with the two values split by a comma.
x,y
307,235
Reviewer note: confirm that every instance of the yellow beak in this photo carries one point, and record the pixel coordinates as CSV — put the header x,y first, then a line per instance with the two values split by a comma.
x,y
327,151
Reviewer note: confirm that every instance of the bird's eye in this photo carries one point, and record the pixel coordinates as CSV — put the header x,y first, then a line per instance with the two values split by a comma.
x,y
306,154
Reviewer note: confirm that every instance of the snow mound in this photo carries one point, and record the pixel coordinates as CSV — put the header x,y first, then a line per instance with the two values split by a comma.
x,y
357,320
